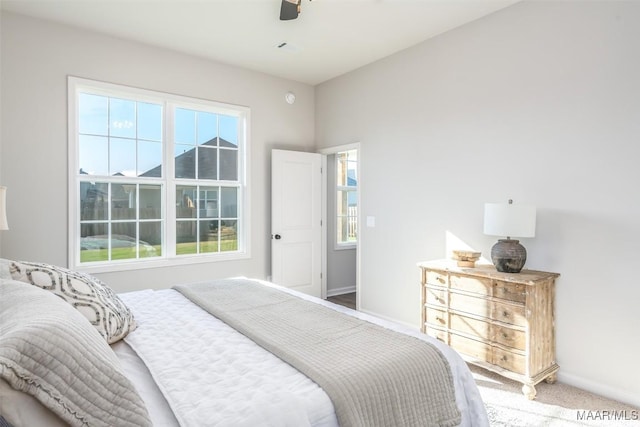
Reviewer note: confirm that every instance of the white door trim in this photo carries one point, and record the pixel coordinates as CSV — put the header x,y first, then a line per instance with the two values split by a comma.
x,y
325,152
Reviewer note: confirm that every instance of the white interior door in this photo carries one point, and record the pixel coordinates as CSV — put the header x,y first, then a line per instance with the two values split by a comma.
x,y
296,215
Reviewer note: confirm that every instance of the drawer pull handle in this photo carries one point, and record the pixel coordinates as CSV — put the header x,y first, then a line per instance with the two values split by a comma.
x,y
505,335
505,314
503,358
440,319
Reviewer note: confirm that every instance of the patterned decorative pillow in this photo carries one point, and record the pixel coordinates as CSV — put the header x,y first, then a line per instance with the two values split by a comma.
x,y
90,296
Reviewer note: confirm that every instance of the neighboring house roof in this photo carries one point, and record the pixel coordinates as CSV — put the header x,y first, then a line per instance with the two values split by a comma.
x,y
186,161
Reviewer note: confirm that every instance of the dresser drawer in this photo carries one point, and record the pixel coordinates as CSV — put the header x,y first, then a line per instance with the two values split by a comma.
x,y
510,361
472,305
438,334
476,285
470,326
436,296
508,313
437,317
510,291
471,347
435,278
509,337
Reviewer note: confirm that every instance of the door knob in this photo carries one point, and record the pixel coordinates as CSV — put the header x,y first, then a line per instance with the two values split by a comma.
x,y
277,237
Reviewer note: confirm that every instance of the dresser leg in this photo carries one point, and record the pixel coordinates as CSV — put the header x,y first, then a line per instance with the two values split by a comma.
x,y
529,391
551,379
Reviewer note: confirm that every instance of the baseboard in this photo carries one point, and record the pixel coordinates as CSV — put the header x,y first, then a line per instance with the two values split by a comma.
x,y
600,389
340,291
389,319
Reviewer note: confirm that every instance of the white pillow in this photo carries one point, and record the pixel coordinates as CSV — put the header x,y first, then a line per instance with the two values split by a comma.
x,y
90,296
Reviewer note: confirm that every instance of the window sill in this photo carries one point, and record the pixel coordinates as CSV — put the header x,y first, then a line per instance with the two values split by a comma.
x,y
159,263
345,246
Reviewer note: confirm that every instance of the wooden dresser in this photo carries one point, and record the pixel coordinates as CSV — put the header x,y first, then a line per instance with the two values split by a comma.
x,y
503,322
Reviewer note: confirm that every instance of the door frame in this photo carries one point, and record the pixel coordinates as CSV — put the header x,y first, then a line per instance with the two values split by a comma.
x,y
326,152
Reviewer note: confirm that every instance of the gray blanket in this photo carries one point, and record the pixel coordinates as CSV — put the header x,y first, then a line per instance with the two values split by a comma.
x,y
374,376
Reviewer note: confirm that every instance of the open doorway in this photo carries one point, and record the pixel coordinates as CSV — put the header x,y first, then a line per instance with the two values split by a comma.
x,y
342,213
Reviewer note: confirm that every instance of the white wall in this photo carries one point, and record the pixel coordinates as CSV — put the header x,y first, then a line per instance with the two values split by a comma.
x,y
37,57
540,103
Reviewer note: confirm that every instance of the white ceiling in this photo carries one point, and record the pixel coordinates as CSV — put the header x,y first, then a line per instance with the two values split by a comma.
x,y
329,38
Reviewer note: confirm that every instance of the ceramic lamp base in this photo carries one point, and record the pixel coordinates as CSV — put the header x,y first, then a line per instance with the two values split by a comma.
x,y
508,256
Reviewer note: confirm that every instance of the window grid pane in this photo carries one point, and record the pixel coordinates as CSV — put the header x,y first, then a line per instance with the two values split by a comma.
x,y
346,197
229,235
198,229
110,225
114,135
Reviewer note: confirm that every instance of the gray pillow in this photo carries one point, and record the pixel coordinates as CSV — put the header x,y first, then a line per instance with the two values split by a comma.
x,y
49,351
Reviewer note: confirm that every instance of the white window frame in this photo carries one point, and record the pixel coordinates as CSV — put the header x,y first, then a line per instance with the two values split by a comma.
x,y
353,244
168,181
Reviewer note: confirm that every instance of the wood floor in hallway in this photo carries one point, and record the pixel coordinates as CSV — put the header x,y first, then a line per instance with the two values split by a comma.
x,y
347,300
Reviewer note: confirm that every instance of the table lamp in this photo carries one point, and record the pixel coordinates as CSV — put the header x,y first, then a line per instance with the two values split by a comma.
x,y
509,220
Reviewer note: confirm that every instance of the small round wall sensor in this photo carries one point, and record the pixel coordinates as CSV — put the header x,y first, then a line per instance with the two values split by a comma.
x,y
290,97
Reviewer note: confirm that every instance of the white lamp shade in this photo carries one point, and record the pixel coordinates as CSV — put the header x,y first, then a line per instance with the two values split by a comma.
x,y
3,211
509,220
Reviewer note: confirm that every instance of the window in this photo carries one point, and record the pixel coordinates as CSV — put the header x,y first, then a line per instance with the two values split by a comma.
x,y
347,197
154,177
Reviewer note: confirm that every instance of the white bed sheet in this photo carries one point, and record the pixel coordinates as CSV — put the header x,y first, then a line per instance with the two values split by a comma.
x,y
134,368
209,374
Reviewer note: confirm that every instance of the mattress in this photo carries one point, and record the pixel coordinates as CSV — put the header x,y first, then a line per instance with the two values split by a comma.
x,y
244,384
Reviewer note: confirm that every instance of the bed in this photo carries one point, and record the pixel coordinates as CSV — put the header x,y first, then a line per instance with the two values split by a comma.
x,y
165,360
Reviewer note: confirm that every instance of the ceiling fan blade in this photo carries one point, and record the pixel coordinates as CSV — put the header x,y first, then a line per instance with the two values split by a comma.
x,y
289,9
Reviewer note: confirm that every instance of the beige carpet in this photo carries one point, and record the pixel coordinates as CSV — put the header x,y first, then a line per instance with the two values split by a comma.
x,y
555,405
